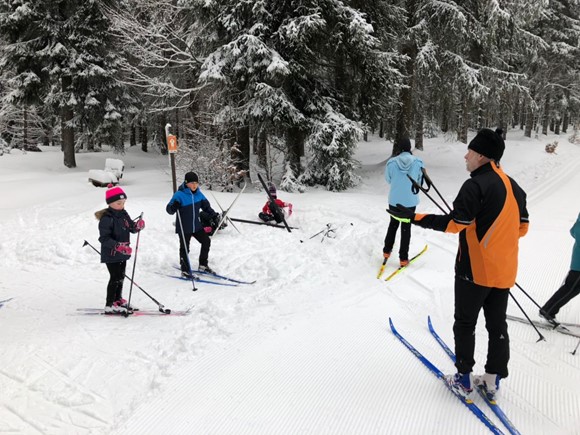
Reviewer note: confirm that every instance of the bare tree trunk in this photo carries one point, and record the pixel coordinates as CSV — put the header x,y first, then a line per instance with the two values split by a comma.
x,y
143,131
557,123
243,157
25,129
382,129
262,149
133,135
546,117
464,121
161,122
445,119
419,130
529,121
67,132
295,149
565,122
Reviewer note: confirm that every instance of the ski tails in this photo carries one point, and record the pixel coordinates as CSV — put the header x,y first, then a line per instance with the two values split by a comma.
x,y
468,403
491,403
382,269
225,278
4,301
548,326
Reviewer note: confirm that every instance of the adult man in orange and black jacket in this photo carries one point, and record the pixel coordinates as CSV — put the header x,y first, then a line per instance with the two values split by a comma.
x,y
490,216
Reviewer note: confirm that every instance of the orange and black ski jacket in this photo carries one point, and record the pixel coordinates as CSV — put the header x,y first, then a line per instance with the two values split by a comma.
x,y
490,216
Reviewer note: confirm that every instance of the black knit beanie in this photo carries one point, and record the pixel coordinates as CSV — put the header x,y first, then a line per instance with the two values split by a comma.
x,y
488,143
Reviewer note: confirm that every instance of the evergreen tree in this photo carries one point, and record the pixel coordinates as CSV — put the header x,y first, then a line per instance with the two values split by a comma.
x,y
63,57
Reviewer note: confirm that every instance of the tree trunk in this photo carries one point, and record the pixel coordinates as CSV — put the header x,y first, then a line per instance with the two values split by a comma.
x,y
67,132
463,126
143,131
405,112
445,119
546,116
262,149
295,149
529,120
25,129
133,135
242,158
419,130
557,122
382,129
404,115
161,122
565,122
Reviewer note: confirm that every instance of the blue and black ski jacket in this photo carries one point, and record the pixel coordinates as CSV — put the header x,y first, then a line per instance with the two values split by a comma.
x,y
189,204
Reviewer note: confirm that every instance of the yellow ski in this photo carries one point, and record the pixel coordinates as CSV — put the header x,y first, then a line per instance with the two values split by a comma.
x,y
382,269
401,268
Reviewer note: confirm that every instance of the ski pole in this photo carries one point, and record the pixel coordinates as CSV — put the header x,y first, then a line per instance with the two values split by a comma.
x,y
320,232
529,320
134,264
186,250
431,184
576,348
245,221
531,299
422,189
161,306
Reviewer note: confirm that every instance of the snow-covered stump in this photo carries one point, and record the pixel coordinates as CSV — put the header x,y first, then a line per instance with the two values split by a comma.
x,y
111,175
115,167
101,178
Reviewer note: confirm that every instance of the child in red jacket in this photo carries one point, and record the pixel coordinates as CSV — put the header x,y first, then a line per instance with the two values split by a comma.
x,y
275,210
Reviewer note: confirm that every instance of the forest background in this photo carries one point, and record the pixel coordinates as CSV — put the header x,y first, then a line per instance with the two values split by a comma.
x,y
287,87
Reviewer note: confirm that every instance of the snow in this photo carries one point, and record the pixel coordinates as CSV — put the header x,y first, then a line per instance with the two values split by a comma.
x,y
305,350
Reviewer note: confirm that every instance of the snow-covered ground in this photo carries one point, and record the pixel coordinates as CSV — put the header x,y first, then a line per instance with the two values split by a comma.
x,y
307,348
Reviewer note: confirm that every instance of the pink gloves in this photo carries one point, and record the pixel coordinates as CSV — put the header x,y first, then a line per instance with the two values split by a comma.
x,y
140,224
123,248
207,229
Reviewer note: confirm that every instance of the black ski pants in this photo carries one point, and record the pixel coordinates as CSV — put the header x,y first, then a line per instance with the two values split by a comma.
x,y
405,237
116,277
569,290
203,238
470,298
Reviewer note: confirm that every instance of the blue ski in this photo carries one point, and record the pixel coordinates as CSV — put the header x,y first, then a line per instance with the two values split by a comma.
x,y
197,279
491,403
225,278
472,406
215,275
3,302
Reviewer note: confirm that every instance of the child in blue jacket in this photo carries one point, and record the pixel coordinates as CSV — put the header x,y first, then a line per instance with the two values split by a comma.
x,y
396,172
189,203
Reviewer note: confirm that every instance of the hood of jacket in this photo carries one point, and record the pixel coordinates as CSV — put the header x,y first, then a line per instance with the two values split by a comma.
x,y
404,161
